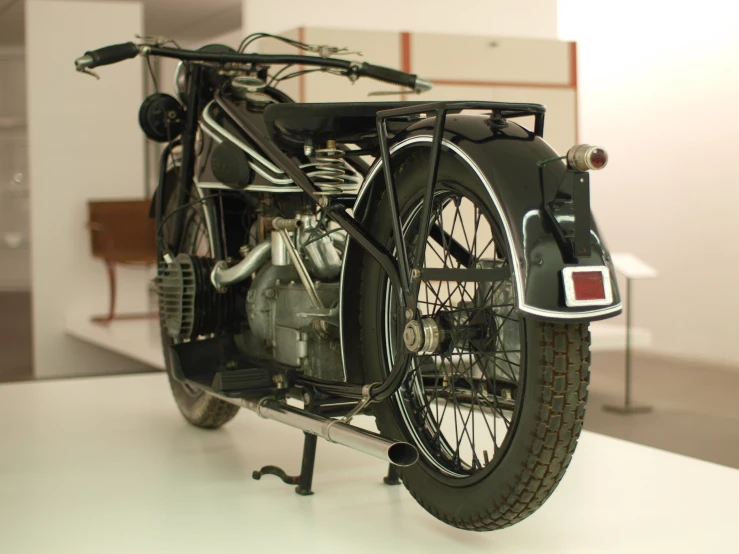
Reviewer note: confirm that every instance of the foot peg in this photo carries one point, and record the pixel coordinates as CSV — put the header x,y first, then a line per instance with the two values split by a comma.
x,y
253,379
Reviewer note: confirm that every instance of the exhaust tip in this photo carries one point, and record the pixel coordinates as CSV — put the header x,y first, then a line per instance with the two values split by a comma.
x,y
402,454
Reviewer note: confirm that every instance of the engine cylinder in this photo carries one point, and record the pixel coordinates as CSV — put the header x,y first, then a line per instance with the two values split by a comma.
x,y
189,305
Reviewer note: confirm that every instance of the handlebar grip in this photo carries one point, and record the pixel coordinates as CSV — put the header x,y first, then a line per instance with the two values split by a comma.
x,y
112,54
388,75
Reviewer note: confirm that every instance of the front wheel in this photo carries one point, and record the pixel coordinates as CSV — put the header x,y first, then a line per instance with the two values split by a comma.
x,y
197,407
495,403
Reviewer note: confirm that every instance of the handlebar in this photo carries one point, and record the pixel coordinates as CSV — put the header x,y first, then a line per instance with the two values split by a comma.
x,y
119,52
394,77
107,55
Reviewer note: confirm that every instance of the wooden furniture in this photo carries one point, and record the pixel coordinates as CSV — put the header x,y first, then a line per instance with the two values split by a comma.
x,y
121,232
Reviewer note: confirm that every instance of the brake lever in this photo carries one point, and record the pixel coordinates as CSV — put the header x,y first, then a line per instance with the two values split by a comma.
x,y
326,51
89,72
81,63
154,40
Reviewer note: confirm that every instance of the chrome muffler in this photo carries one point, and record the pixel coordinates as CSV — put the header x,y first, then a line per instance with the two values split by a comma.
x,y
398,453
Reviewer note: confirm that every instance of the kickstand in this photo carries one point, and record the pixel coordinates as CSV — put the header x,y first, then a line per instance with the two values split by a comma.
x,y
304,481
392,477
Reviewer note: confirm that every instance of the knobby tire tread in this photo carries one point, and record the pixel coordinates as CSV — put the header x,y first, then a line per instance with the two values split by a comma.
x,y
565,377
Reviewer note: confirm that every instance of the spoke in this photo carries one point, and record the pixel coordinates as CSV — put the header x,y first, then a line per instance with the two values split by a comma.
x,y
478,215
444,243
441,258
464,231
426,291
468,373
426,408
496,367
446,404
479,256
465,431
438,303
494,436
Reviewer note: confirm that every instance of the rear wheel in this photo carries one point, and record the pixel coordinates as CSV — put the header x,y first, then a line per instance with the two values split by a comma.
x,y
199,408
496,404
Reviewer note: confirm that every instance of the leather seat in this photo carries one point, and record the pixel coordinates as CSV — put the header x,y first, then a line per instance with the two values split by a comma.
x,y
344,122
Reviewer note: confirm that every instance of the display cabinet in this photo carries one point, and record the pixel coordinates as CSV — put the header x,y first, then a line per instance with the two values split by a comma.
x,y
461,67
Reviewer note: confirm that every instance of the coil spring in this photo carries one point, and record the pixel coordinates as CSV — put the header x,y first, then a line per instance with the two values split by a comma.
x,y
329,166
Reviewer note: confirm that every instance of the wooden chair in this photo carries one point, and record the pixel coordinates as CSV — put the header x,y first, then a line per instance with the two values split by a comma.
x,y
121,232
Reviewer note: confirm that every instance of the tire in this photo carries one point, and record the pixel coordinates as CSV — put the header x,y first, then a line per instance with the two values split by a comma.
x,y
198,408
549,388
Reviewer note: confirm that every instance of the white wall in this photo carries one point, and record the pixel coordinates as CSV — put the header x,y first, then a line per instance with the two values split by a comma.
x,y
659,83
519,18
84,143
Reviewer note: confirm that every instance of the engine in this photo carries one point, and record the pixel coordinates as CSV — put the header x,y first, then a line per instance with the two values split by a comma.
x,y
287,311
299,326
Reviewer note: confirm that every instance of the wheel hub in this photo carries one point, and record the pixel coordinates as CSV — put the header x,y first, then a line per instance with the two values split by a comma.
x,y
422,337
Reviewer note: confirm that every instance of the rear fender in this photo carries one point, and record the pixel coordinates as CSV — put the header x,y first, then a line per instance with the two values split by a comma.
x,y
504,157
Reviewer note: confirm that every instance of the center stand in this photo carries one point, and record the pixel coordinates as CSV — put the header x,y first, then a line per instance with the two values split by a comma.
x,y
304,481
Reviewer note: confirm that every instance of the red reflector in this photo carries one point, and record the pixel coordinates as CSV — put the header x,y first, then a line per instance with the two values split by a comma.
x,y
588,285
598,158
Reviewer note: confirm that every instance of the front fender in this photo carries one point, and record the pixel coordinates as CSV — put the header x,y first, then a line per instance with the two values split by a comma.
x,y
505,158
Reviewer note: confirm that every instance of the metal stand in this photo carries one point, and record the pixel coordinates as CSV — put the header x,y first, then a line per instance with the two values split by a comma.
x,y
392,477
304,481
628,408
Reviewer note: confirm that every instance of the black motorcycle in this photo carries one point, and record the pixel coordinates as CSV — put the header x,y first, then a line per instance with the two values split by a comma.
x,y
434,265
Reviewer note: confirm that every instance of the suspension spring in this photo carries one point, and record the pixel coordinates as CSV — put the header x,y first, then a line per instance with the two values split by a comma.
x,y
329,167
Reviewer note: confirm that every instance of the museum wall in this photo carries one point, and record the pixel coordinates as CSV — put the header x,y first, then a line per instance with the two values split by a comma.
x,y
84,143
658,88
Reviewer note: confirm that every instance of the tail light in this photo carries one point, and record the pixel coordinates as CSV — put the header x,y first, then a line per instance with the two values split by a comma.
x,y
584,157
587,286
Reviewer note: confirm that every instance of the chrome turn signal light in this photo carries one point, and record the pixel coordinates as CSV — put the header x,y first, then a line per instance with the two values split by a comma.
x,y
584,157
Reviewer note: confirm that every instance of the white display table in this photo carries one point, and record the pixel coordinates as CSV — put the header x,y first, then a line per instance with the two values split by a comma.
x,y
108,465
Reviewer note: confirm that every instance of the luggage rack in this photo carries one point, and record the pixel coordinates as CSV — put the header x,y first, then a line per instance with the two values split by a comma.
x,y
500,111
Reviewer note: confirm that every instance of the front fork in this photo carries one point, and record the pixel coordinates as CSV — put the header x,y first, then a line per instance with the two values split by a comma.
x,y
187,164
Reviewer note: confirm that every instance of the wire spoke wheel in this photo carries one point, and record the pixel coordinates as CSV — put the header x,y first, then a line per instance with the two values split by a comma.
x,y
493,401
460,401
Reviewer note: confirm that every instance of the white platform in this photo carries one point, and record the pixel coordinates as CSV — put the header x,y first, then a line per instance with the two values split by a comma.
x,y
108,465
136,338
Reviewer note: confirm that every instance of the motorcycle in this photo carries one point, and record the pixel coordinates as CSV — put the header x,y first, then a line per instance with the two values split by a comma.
x,y
434,265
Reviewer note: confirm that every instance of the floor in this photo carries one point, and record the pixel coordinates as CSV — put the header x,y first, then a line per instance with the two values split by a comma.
x,y
695,409
695,412
108,464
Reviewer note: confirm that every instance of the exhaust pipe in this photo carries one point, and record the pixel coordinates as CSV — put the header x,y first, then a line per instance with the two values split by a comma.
x,y
397,453
400,454
222,275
